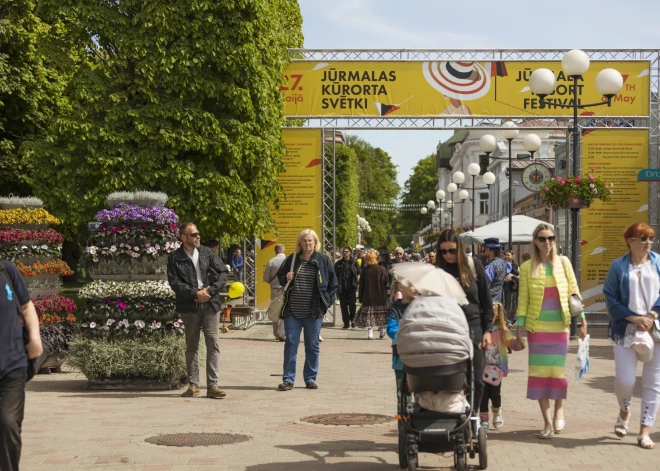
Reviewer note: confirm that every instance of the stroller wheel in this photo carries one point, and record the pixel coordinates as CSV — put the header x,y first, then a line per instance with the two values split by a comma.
x,y
403,451
483,449
461,462
412,462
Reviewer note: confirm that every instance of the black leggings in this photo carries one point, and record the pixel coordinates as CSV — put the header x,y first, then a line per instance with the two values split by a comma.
x,y
494,394
478,363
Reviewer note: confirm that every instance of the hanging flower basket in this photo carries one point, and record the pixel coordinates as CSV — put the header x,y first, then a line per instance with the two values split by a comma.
x,y
575,192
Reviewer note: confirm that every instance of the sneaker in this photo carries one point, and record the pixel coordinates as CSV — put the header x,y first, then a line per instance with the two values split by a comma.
x,y
352,325
285,386
281,338
382,333
192,391
215,392
311,385
320,338
344,328
498,420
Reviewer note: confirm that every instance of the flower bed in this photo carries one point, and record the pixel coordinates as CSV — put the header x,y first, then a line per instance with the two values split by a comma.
x,y
12,202
27,216
35,283
53,267
12,252
30,237
124,253
570,191
131,212
135,234
135,266
143,198
118,289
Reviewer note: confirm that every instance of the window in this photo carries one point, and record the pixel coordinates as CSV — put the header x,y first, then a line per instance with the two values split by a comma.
x,y
483,163
483,203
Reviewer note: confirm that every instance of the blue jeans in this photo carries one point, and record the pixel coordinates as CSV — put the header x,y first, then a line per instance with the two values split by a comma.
x,y
238,274
312,329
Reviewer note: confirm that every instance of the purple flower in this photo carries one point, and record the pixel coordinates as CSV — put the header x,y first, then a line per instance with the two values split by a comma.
x,y
141,307
132,212
121,304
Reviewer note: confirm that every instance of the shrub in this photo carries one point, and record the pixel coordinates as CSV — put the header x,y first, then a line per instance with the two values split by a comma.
x,y
559,192
161,357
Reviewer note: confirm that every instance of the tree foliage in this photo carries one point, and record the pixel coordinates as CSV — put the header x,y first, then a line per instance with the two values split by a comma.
x,y
418,189
31,85
346,196
377,184
179,96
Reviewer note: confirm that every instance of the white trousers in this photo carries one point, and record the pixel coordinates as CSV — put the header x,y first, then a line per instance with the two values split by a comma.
x,y
625,364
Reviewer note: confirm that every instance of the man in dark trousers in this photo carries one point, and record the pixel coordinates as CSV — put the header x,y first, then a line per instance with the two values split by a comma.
x,y
14,355
197,276
347,272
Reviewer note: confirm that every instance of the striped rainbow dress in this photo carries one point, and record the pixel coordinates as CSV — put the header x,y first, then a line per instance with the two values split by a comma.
x,y
548,347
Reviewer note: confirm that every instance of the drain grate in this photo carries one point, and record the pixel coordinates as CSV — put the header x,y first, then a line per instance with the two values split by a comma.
x,y
347,419
197,439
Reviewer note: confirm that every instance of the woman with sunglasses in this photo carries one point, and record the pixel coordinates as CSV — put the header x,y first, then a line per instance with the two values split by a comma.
x,y
546,283
470,274
632,292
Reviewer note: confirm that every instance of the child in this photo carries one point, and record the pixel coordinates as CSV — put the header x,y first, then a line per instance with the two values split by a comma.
x,y
403,296
496,357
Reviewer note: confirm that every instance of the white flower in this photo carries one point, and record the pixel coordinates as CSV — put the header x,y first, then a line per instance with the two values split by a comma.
x,y
139,324
110,322
44,247
157,247
105,327
121,245
137,249
113,248
147,245
592,186
176,324
92,325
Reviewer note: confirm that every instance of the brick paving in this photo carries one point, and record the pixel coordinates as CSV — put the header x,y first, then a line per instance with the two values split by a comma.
x,y
67,427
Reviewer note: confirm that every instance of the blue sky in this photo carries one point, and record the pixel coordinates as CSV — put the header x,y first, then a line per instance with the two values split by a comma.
x,y
440,24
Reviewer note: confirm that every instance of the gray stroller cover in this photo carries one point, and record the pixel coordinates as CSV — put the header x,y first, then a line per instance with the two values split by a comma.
x,y
433,332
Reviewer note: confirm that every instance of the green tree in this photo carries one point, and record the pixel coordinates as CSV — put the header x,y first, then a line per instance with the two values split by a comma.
x,y
31,85
346,196
179,96
377,184
418,189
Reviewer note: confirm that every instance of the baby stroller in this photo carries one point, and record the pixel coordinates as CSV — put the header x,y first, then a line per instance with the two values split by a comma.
x,y
435,347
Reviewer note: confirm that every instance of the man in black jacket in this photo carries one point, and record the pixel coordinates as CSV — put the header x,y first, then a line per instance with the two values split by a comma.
x,y
197,275
347,272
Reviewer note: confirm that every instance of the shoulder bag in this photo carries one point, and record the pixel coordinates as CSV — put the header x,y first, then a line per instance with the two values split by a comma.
x,y
275,308
574,301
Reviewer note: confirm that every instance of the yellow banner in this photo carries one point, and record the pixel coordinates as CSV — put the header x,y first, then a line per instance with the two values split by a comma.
x,y
371,88
615,155
301,208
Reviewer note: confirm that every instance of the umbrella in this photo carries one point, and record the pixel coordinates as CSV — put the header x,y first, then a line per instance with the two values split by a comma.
x,y
428,280
523,228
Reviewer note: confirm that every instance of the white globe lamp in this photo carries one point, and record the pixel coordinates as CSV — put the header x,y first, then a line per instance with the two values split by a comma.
x,y
474,169
487,143
609,82
458,178
452,188
440,195
423,210
575,62
463,194
512,133
532,143
542,82
488,178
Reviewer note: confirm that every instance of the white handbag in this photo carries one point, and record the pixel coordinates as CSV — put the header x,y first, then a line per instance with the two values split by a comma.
x,y
275,309
574,301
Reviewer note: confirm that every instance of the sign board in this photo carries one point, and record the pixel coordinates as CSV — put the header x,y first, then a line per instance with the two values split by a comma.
x,y
649,175
418,88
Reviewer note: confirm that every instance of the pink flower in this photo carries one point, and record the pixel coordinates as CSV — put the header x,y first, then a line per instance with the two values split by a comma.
x,y
546,189
92,325
121,304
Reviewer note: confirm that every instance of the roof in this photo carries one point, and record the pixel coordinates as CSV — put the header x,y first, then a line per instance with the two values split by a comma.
x,y
444,153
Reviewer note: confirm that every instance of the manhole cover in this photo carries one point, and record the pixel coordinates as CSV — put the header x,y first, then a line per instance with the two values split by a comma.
x,y
197,439
347,419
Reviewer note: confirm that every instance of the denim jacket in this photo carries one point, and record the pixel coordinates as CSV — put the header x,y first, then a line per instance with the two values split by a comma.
x,y
617,295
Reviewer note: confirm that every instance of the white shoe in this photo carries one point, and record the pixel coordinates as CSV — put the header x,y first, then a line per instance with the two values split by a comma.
x,y
320,339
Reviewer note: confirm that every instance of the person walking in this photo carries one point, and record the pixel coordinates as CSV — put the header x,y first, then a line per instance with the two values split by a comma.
x,y
197,276
270,277
373,292
469,272
546,283
347,272
511,282
496,270
632,293
14,354
237,263
312,290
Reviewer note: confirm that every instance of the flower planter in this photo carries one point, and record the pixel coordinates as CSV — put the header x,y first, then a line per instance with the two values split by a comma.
x,y
573,205
33,259
19,206
143,203
135,384
155,276
23,226
34,292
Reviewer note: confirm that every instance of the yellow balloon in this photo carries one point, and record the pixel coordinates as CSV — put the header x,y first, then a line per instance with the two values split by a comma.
x,y
236,290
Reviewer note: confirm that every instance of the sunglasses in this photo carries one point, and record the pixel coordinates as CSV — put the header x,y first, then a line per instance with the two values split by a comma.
x,y
449,251
644,239
193,234
549,239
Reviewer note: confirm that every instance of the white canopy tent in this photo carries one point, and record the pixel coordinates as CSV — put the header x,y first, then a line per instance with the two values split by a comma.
x,y
523,228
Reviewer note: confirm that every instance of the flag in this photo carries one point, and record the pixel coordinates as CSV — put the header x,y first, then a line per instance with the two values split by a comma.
x,y
264,244
498,69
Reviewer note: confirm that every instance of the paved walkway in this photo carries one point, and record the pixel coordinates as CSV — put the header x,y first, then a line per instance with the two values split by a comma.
x,y
67,427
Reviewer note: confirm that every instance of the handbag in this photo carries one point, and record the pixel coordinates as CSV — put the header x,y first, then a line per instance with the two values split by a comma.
x,y
493,375
275,309
574,300
34,364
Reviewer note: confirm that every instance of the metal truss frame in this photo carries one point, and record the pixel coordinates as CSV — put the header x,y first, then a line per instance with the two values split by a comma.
x,y
249,271
328,185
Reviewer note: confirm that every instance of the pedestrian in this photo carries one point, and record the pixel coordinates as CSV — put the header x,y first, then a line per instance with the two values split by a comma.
x,y
469,273
432,259
347,272
373,292
399,255
496,361
496,270
270,277
525,257
197,276
546,283
237,263
359,258
312,290
214,245
14,354
632,292
511,282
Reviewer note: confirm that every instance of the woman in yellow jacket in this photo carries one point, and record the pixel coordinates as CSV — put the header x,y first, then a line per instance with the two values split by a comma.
x,y
546,283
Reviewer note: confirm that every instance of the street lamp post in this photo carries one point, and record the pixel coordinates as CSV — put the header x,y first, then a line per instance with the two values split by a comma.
x,y
608,83
488,178
452,188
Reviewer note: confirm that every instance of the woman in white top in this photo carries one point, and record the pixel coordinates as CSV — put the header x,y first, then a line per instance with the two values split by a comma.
x,y
632,291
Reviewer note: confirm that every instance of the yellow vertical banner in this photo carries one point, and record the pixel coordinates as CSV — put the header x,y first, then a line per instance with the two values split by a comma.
x,y
302,205
616,156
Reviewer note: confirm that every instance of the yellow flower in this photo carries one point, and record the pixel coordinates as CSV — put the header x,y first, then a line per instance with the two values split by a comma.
x,y
27,216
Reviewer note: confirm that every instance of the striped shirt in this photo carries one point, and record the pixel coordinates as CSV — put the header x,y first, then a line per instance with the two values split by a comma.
x,y
304,289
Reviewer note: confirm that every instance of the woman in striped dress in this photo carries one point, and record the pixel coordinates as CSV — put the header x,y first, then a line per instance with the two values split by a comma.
x,y
546,283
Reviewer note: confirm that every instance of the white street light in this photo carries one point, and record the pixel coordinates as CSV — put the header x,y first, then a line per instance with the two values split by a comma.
x,y
458,178
430,204
440,195
575,62
542,82
474,169
510,134
452,187
532,143
423,210
450,205
463,194
489,178
609,82
487,143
